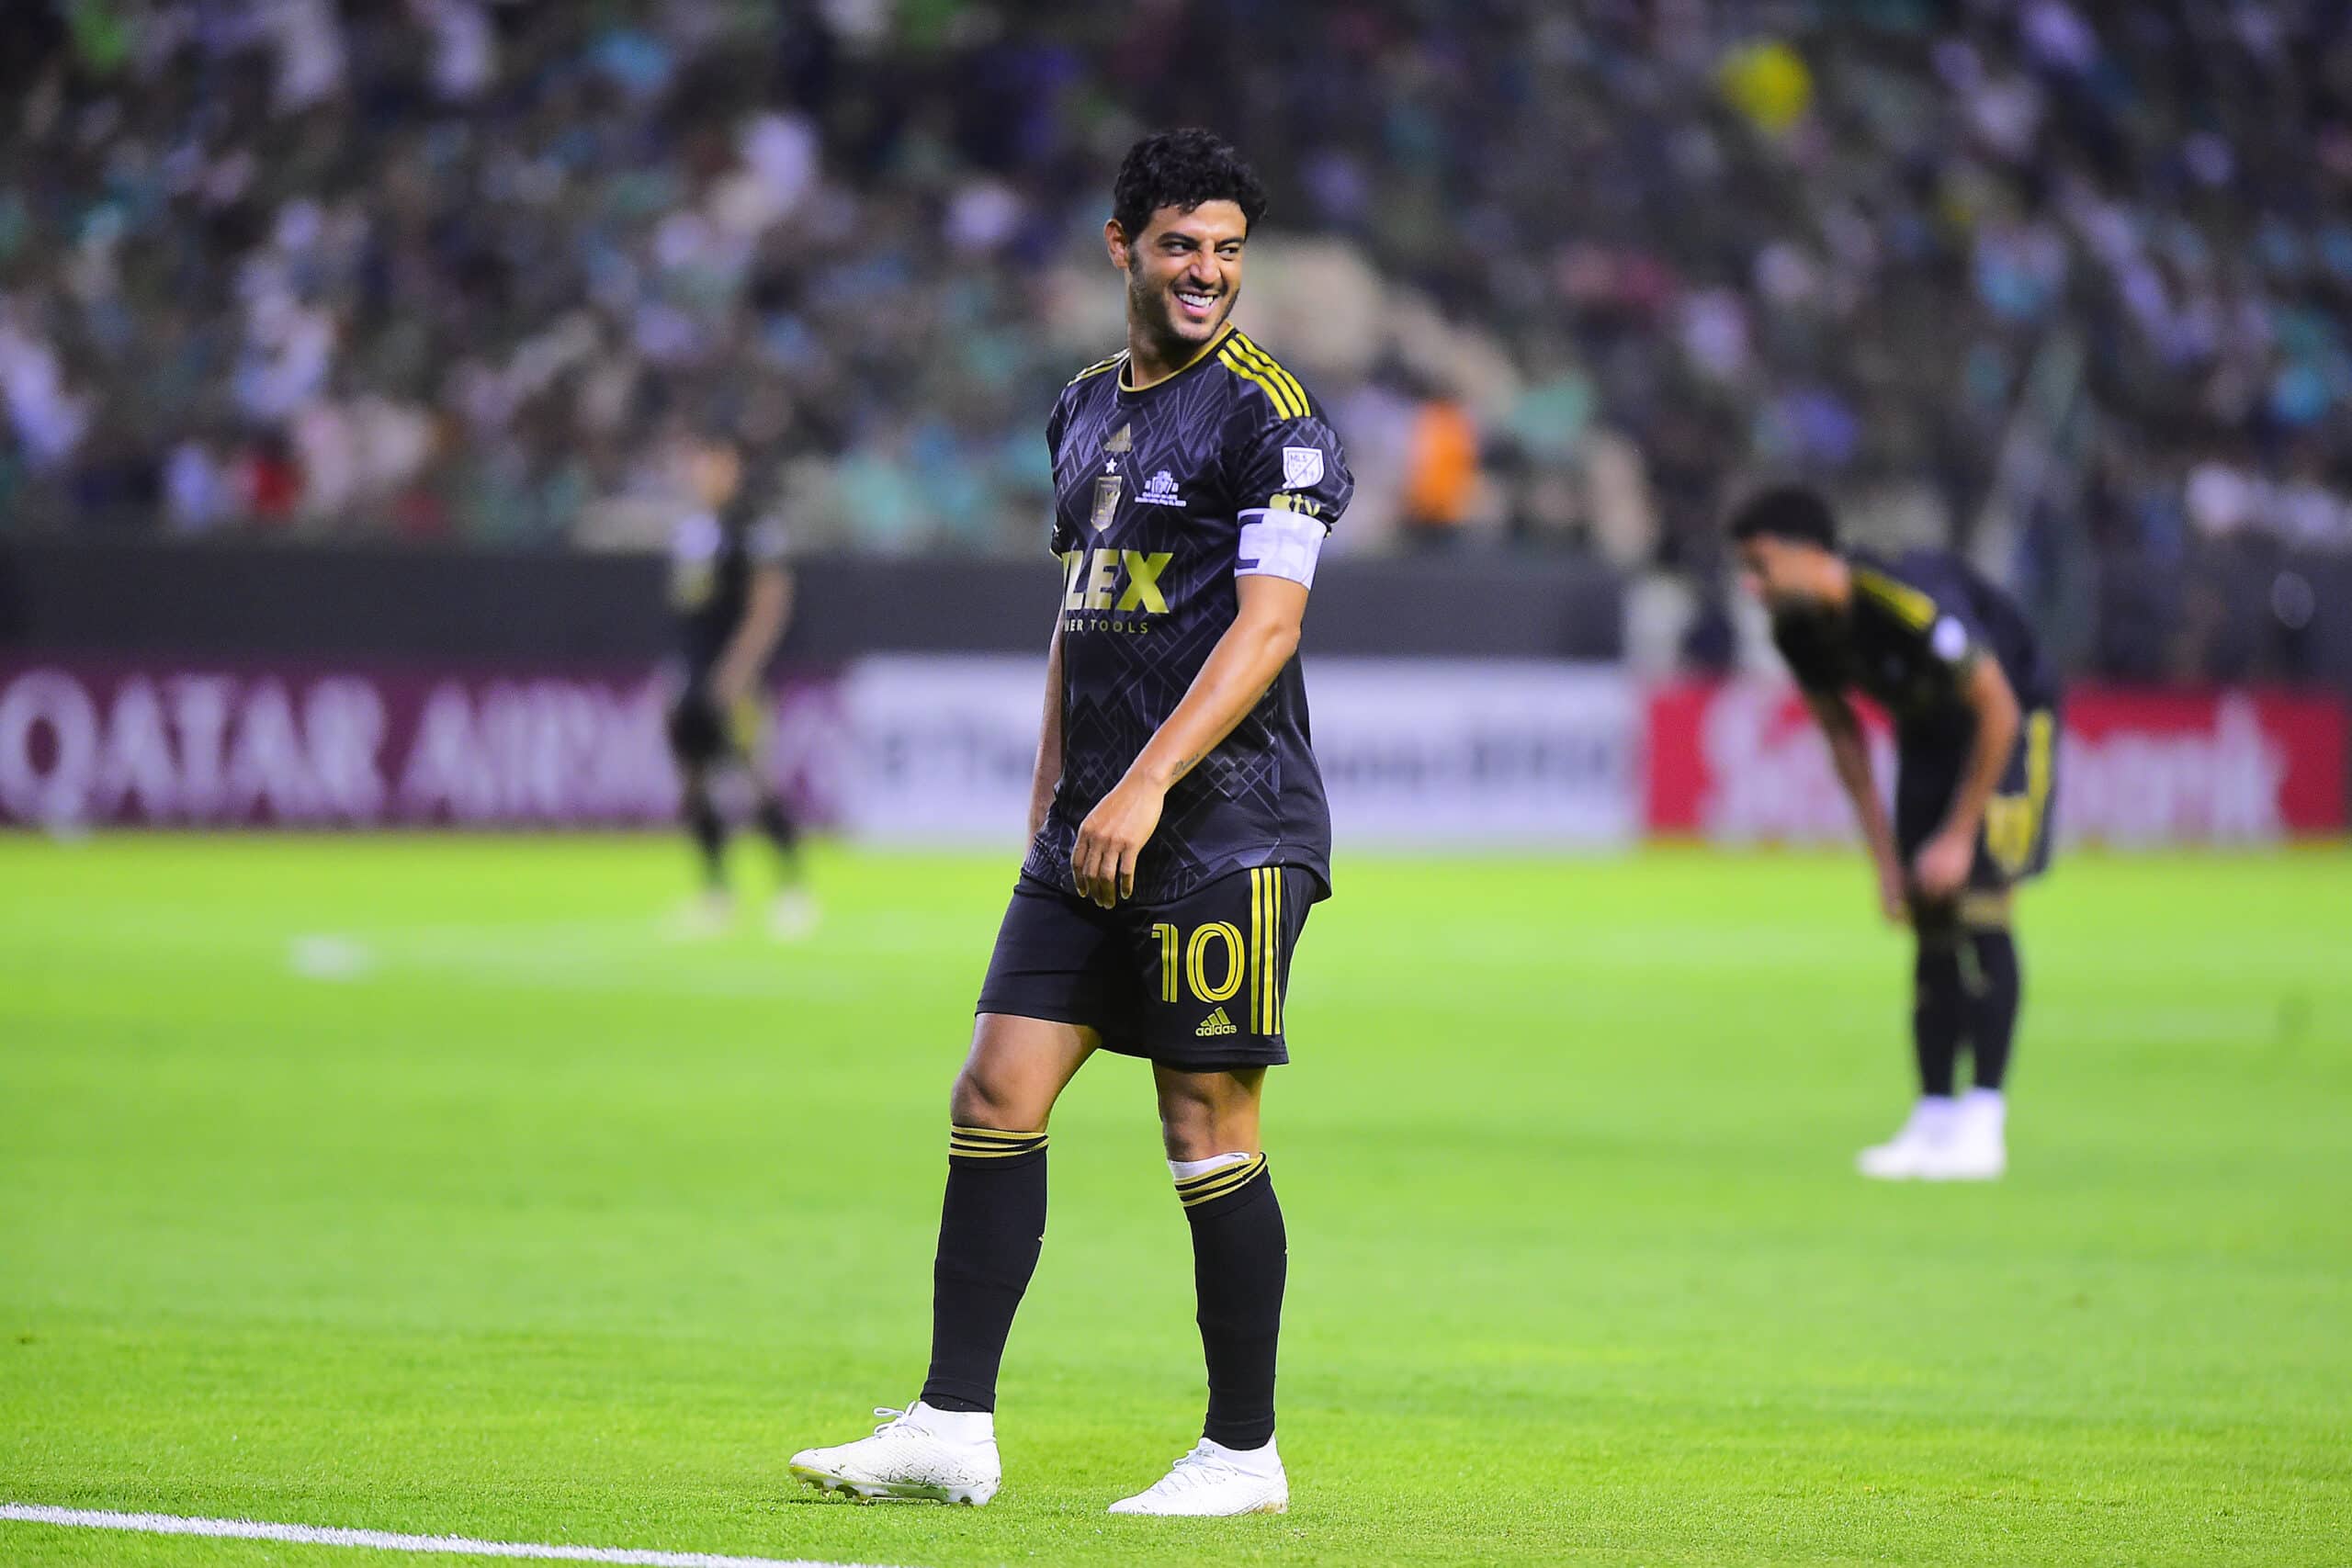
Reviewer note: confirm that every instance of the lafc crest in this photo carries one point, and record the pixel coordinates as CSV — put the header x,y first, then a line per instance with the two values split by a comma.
x,y
1106,500
1110,483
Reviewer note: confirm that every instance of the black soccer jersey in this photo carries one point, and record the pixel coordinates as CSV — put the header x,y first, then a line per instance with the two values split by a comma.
x,y
711,562
1915,627
1152,490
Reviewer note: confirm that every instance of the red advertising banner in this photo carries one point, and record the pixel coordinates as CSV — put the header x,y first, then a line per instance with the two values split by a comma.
x,y
1740,761
100,742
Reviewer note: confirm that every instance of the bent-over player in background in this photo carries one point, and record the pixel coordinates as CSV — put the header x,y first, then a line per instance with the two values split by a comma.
x,y
1178,834
1975,710
731,589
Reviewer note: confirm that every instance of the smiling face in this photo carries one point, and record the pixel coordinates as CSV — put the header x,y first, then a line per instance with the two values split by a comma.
x,y
1183,276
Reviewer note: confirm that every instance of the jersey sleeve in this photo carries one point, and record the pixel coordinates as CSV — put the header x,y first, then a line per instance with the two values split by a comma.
x,y
1292,465
1056,423
1290,483
1939,625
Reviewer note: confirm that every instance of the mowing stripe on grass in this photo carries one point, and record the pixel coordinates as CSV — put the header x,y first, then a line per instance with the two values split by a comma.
x,y
388,1540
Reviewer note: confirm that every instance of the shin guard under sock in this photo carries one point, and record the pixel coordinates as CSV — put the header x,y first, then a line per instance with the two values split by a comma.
x,y
991,1227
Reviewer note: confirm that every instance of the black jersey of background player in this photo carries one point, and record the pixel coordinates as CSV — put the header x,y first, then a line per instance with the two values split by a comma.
x,y
1150,488
1913,628
711,562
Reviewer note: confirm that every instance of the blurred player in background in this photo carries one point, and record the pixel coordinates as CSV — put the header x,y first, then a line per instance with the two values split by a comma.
x,y
1975,709
1178,834
731,590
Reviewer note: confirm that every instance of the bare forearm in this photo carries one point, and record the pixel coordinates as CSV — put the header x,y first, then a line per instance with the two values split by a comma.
x,y
1047,772
1850,753
1239,667
755,639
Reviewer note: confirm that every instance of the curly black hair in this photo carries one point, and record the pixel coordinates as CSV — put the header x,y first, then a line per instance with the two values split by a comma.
x,y
1183,169
1787,512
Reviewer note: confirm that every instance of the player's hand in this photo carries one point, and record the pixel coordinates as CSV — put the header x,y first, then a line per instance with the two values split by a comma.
x,y
1103,865
1941,865
1893,896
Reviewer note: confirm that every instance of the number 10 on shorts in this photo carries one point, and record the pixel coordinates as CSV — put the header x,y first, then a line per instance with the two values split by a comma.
x,y
1217,958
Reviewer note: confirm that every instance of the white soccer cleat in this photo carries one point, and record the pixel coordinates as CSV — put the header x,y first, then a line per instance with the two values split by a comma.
x,y
1909,1154
1216,1482
917,1455
792,916
1976,1149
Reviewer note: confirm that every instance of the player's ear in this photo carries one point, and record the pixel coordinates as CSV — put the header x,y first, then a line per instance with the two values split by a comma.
x,y
1114,240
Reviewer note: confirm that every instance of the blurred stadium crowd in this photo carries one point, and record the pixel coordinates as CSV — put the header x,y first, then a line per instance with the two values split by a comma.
x,y
456,268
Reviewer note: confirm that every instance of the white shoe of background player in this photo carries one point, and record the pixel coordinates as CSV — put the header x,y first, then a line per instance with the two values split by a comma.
x,y
707,914
793,915
920,1454
1910,1153
1214,1481
1977,1147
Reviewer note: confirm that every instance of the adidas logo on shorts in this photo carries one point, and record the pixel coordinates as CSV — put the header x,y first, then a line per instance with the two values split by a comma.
x,y
1216,1023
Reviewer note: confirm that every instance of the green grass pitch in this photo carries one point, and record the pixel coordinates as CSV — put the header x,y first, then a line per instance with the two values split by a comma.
x,y
414,1184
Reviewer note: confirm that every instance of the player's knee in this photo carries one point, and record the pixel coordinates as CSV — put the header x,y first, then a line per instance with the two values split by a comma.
x,y
1192,1135
1210,1114
986,1098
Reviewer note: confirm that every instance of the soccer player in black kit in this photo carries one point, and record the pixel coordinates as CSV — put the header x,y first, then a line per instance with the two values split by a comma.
x,y
1975,709
1178,834
730,590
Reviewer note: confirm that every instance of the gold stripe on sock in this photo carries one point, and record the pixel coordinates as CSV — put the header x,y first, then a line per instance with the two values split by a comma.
x,y
992,1143
1216,1183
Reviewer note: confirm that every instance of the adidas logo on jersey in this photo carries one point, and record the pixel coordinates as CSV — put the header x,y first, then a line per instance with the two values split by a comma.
x,y
1216,1023
1160,490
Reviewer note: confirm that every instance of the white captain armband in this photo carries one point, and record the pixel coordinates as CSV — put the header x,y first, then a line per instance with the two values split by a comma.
x,y
1280,544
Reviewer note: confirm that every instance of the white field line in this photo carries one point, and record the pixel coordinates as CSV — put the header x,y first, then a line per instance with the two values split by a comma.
x,y
386,1540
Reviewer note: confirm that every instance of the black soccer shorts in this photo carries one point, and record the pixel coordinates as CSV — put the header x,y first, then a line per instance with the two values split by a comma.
x,y
702,733
2013,844
1196,981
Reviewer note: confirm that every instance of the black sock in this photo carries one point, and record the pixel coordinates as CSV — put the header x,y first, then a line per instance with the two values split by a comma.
x,y
783,834
991,1227
709,829
1937,1005
1993,1004
1240,1258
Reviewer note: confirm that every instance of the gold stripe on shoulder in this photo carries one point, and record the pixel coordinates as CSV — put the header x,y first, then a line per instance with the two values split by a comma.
x,y
1274,368
1914,608
1294,399
1097,369
1231,359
